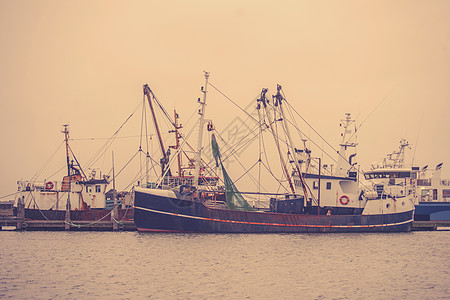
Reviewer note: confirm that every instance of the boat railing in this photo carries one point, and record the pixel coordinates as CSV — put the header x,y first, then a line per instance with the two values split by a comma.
x,y
170,182
25,186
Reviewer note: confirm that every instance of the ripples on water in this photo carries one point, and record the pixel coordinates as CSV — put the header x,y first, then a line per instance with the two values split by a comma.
x,y
130,265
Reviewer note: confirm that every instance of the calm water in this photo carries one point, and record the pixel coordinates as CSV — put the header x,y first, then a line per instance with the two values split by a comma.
x,y
129,265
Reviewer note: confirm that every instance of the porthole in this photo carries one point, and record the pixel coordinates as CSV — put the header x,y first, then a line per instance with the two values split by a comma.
x,y
388,205
403,203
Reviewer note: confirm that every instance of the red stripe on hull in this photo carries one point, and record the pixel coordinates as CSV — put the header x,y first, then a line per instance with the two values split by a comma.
x,y
162,230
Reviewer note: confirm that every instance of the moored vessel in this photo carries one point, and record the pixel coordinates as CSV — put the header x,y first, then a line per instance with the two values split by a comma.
x,y
312,201
77,197
429,192
433,194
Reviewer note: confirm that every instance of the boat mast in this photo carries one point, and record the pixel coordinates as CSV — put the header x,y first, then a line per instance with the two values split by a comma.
x,y
278,99
114,211
344,166
396,157
66,139
277,142
177,140
165,160
201,123
67,215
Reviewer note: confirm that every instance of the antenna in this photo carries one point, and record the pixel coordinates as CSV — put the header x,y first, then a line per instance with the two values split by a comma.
x,y
417,140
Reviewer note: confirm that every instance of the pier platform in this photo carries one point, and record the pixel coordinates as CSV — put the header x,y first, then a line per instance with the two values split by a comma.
x,y
14,223
430,225
8,221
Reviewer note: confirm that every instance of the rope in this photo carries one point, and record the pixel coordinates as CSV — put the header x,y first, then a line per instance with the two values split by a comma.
x,y
64,166
102,138
109,142
126,164
378,105
89,224
10,195
315,131
228,98
164,111
40,211
417,140
46,163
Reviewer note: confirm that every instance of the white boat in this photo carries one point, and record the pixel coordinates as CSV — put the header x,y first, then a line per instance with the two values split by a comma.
x,y
429,193
433,194
74,198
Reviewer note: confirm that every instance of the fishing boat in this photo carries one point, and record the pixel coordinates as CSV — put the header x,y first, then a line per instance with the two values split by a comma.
x,y
430,193
313,201
76,197
433,196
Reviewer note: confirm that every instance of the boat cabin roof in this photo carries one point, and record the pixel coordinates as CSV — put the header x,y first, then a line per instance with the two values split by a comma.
x,y
389,173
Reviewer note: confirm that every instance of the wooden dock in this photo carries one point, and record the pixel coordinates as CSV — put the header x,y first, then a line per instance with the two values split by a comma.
x,y
19,222
15,223
430,225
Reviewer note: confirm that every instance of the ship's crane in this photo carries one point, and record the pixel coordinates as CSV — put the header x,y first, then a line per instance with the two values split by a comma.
x,y
165,154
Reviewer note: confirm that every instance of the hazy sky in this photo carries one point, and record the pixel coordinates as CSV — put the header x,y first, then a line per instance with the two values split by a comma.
x,y
83,63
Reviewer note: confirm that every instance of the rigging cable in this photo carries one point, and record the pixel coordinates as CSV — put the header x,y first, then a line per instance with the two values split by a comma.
x,y
209,83
417,140
250,175
143,117
378,105
46,163
63,167
102,151
306,122
129,161
249,116
10,195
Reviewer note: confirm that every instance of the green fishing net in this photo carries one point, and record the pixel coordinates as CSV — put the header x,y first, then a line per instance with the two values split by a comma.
x,y
234,198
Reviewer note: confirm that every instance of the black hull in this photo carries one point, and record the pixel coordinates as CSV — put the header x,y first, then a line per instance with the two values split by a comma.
x,y
163,214
78,215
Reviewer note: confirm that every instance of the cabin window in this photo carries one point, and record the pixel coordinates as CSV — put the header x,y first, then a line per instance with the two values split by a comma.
x,y
425,195
315,185
87,189
328,185
423,182
445,194
405,174
348,186
97,189
435,194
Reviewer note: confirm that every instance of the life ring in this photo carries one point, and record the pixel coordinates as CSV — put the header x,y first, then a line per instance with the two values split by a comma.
x,y
344,200
49,185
